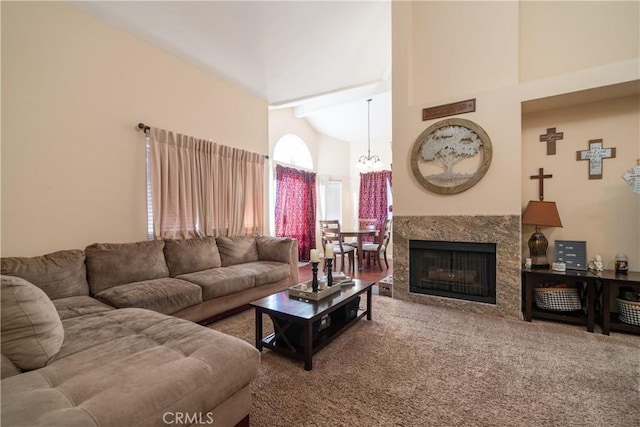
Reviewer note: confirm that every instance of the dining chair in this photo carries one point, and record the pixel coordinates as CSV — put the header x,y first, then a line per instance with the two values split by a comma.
x,y
330,232
365,224
368,224
373,250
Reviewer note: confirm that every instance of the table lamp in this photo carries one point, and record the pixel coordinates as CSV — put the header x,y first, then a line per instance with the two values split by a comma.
x,y
540,214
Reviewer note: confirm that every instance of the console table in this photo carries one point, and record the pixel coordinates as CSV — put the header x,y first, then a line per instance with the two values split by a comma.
x,y
586,316
607,280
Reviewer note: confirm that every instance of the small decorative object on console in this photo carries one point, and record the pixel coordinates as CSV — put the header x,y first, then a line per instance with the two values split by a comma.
x,y
558,266
596,264
622,263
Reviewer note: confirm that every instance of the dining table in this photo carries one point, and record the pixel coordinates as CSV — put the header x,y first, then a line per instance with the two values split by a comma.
x,y
359,234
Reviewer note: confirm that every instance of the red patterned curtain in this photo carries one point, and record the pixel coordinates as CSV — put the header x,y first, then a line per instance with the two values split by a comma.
x,y
296,208
373,201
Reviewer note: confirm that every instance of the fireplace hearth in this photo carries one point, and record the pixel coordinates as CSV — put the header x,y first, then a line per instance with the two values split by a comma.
x,y
503,230
460,270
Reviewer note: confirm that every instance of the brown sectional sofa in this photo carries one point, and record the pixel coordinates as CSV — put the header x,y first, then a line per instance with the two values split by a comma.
x,y
105,336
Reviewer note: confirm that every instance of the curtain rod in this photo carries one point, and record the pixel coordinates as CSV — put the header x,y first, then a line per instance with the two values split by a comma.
x,y
145,128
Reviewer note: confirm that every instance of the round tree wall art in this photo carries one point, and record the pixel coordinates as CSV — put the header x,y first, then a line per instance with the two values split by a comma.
x,y
451,156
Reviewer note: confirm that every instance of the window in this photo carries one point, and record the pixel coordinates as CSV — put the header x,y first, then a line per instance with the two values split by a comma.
x,y
292,150
333,194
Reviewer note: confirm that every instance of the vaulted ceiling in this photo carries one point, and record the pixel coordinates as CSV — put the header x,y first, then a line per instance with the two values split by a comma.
x,y
322,58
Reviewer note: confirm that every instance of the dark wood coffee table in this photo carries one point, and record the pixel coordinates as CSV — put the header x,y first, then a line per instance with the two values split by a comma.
x,y
315,323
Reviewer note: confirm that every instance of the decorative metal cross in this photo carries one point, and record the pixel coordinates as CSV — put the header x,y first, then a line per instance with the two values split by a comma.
x,y
632,177
541,177
595,154
551,137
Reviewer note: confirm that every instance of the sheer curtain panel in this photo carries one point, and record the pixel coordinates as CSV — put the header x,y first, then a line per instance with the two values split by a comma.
x,y
199,188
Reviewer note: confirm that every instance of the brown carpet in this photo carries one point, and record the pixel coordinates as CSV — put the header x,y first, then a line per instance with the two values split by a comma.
x,y
418,365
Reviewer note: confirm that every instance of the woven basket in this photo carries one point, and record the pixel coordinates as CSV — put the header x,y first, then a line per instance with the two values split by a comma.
x,y
629,312
557,299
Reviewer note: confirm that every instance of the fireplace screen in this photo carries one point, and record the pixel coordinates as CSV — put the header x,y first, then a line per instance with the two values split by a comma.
x,y
460,270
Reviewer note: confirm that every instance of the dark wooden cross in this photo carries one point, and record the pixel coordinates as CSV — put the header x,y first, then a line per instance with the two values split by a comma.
x,y
595,154
541,177
551,137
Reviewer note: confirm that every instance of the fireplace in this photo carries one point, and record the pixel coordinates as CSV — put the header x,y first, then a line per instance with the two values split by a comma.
x,y
461,270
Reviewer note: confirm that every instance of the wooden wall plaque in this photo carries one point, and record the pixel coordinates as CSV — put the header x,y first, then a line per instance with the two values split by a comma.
x,y
460,107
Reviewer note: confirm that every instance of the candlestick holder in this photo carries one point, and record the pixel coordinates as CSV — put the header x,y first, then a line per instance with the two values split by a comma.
x,y
329,276
314,279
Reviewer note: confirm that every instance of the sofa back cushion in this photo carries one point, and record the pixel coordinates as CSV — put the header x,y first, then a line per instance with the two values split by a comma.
x,y
60,274
32,332
112,264
237,250
274,248
190,255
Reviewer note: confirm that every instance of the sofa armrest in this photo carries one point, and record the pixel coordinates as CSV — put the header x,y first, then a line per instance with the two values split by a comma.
x,y
281,249
294,263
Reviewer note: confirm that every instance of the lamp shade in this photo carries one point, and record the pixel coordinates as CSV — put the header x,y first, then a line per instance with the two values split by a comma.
x,y
543,214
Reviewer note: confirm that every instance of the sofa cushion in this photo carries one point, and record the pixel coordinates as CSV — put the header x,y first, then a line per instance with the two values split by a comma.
x,y
129,367
79,306
189,255
266,272
112,264
274,248
166,295
8,368
32,332
219,282
237,250
59,274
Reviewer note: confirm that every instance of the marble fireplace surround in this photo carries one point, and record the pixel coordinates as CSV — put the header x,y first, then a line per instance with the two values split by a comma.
x,y
502,230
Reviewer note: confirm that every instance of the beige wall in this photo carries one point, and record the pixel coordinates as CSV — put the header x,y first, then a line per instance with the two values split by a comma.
x,y
459,48
424,77
73,90
505,54
559,37
604,212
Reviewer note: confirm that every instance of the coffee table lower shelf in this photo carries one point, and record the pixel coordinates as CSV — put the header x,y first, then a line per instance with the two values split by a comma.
x,y
297,315
324,338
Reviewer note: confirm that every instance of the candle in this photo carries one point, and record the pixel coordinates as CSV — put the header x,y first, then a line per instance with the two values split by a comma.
x,y
315,256
328,250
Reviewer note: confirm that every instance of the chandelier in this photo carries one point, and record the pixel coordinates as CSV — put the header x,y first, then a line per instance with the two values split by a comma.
x,y
369,163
